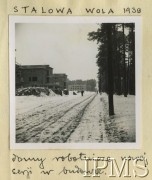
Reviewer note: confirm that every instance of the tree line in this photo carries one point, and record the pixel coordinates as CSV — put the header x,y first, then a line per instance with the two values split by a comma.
x,y
115,59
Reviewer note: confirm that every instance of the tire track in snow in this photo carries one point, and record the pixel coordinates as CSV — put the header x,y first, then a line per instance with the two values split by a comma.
x,y
40,113
62,134
91,129
29,132
36,111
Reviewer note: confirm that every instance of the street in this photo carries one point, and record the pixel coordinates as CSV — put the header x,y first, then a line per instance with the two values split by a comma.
x,y
68,119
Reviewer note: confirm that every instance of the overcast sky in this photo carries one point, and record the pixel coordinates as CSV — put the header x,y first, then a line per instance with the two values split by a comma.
x,y
62,46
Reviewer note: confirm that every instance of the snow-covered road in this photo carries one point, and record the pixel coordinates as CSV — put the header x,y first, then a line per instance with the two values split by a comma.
x,y
56,120
62,119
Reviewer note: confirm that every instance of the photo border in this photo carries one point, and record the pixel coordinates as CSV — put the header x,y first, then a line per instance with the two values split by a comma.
x,y
79,20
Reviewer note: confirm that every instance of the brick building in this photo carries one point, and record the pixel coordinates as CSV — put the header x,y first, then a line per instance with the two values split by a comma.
x,y
59,81
18,76
40,76
36,75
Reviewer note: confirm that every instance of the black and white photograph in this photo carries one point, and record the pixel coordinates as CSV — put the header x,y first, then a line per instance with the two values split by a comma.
x,y
74,82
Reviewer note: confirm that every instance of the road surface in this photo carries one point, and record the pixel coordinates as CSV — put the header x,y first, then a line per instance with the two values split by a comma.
x,y
66,119
74,119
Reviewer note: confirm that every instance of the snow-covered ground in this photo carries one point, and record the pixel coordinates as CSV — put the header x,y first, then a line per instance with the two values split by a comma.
x,y
74,118
28,103
120,127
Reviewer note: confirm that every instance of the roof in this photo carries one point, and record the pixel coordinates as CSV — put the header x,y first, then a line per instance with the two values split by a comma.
x,y
60,74
35,67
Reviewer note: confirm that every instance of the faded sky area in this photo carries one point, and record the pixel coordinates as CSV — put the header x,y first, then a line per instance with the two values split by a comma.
x,y
62,46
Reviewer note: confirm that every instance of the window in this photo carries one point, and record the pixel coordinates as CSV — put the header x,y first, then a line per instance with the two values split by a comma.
x,y
47,79
34,79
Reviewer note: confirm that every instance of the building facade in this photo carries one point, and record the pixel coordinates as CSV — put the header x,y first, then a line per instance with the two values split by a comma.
x,y
40,76
18,75
59,81
36,75
77,87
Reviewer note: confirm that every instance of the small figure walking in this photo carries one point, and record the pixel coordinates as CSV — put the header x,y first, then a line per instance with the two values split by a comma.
x,y
82,93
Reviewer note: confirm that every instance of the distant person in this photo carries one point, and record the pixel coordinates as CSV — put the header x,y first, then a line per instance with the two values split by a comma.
x,y
61,92
82,92
74,93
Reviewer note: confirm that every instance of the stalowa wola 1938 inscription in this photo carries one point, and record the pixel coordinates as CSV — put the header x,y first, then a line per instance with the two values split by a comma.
x,y
69,11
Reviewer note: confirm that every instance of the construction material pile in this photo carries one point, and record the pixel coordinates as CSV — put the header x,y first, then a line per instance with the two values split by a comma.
x,y
36,91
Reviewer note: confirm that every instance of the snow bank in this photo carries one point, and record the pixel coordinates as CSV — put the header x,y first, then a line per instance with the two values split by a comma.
x,y
51,93
36,91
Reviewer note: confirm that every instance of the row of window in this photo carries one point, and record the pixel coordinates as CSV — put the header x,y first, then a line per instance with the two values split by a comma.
x,y
75,89
76,86
34,79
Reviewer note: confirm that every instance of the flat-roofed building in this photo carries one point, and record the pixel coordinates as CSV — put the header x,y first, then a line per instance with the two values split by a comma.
x,y
77,87
59,81
36,75
40,76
